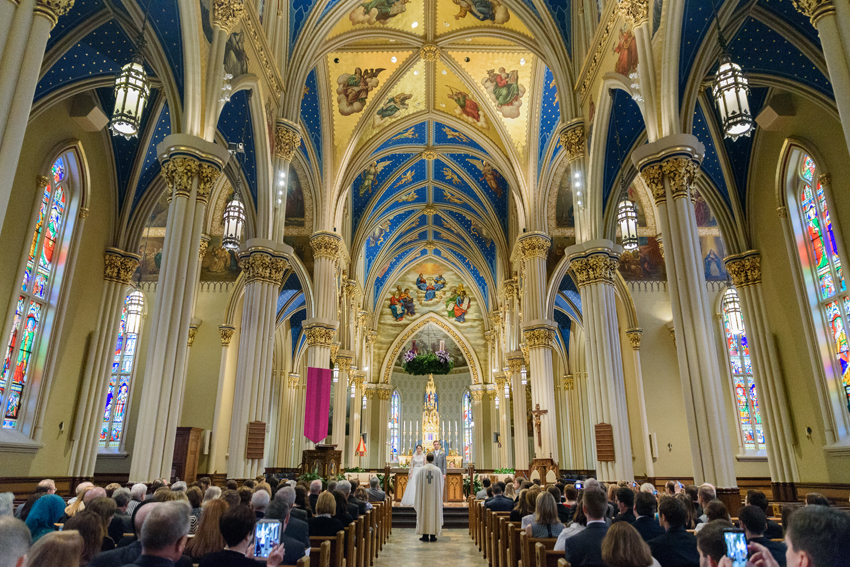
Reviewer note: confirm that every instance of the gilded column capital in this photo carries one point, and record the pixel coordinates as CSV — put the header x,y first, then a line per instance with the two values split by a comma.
x,y
488,336
227,13
534,245
385,394
429,52
745,269
319,334
597,266
477,395
193,330
179,172
370,392
334,352
634,11
538,336
52,9
287,139
344,359
654,179
501,381
371,337
635,336
568,382
682,174
119,266
349,288
510,288
326,245
515,363
207,176
261,265
293,380
202,248
495,320
357,378
226,333
814,9
573,139
41,182
526,354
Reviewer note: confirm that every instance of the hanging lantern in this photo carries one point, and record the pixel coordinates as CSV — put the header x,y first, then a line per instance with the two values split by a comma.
x,y
627,218
730,90
135,303
732,308
507,391
336,374
132,91
364,402
523,376
234,220
497,402
352,391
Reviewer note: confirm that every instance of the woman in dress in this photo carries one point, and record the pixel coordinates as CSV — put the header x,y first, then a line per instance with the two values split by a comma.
x,y
417,461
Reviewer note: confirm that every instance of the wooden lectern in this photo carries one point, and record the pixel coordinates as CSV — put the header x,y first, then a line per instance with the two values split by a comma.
x,y
324,460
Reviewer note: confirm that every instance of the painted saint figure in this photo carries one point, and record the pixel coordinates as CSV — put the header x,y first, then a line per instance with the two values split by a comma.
x,y
505,91
391,107
627,61
396,307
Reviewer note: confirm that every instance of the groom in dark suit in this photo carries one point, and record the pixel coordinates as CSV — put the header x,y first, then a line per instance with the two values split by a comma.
x,y
439,458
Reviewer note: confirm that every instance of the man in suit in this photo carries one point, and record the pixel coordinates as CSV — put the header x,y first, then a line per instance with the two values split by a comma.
x,y
374,492
237,530
129,553
499,502
482,494
585,548
677,547
705,494
281,509
625,499
439,458
315,490
711,543
353,505
756,498
163,536
754,522
645,522
294,549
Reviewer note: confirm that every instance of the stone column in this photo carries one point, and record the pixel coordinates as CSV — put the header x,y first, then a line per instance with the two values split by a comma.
x,y
366,427
635,336
384,394
745,270
323,327
24,31
289,424
562,389
357,379
832,20
341,394
594,264
515,363
226,334
190,167
476,454
287,139
487,437
118,270
636,13
263,264
574,141
669,167
502,380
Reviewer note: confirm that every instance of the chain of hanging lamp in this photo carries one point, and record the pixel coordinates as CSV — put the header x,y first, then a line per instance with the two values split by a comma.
x,y
731,90
626,210
234,212
132,90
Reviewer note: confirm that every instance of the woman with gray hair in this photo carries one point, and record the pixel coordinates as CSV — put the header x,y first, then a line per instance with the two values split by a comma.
x,y
212,493
7,500
137,494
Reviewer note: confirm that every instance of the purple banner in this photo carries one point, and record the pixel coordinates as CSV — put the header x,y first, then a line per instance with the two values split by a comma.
x,y
318,405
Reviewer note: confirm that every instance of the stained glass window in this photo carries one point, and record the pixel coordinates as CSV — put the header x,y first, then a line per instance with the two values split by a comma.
x,y
123,363
744,388
825,264
466,412
395,414
34,295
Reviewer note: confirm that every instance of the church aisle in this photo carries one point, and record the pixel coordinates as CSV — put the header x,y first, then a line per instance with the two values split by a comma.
x,y
404,548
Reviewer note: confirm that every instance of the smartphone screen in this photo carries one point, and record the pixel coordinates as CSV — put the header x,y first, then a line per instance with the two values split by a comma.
x,y
579,485
736,546
266,537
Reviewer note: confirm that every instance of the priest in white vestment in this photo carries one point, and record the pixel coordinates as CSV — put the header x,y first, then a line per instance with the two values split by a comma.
x,y
428,500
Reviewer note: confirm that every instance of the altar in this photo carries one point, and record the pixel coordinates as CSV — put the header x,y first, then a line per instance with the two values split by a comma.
x,y
452,489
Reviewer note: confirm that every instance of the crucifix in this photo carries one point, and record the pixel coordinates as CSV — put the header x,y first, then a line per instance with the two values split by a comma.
x,y
430,477
537,412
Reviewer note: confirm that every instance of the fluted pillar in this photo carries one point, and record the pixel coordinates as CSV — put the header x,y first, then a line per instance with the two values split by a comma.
x,y
567,461
503,381
635,336
668,168
366,426
190,167
119,267
224,394
287,139
263,264
323,327
574,141
384,395
487,437
478,392
832,20
636,12
341,389
515,363
24,28
357,381
745,270
226,15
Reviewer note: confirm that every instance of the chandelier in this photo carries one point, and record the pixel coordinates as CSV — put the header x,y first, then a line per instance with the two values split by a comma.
x,y
730,90
234,220
732,309
627,218
132,91
135,303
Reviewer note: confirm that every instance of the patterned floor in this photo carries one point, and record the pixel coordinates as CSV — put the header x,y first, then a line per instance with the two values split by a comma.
x,y
404,548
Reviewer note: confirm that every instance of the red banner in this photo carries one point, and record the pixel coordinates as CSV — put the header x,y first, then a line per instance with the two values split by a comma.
x,y
318,405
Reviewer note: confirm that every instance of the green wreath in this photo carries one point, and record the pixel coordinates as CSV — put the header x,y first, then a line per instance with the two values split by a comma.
x,y
424,364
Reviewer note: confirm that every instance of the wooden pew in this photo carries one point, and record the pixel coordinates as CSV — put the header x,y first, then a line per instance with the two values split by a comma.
x,y
360,541
321,556
350,545
303,562
495,519
527,546
545,557
504,539
514,553
563,563
336,547
470,502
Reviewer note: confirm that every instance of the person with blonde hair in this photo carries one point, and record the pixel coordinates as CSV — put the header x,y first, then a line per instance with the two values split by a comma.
x,y
57,548
510,491
623,546
531,505
323,523
546,522
208,538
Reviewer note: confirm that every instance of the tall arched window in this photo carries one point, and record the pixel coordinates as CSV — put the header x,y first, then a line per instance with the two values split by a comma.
x,y
395,414
38,288
123,366
823,261
466,409
741,367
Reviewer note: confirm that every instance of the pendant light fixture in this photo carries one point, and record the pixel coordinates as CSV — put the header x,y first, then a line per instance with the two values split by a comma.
x,y
132,90
234,211
626,210
730,90
732,308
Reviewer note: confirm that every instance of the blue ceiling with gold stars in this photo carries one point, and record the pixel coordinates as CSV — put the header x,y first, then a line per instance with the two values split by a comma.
x,y
232,122
311,115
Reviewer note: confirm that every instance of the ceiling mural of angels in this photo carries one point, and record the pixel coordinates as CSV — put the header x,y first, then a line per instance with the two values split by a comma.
x,y
353,89
504,90
377,11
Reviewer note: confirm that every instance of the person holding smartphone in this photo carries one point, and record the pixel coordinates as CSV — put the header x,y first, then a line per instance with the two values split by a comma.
x,y
237,528
754,522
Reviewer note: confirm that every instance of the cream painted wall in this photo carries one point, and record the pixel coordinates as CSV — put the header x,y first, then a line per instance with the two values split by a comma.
x,y
783,313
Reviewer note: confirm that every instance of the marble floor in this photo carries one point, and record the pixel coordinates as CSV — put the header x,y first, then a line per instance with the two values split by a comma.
x,y
404,548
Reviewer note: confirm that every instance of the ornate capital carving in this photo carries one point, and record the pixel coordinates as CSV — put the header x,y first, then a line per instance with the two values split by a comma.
x,y
293,380
634,337
227,13
653,177
349,288
510,289
119,266
477,395
682,173
515,364
385,394
260,265
320,335
334,352
371,337
343,361
573,140
495,320
634,11
370,393
41,182
488,336
357,379
501,381
745,269
226,333
202,248
534,245
429,52
179,172
568,382
52,9
825,179
193,330
207,176
538,337
814,9
286,141
326,245
526,354
599,267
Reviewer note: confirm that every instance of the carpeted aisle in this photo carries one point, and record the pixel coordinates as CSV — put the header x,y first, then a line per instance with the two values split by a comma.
x,y
454,546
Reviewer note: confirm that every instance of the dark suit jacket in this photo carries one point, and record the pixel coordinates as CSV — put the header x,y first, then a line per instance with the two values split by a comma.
x,y
777,549
298,530
313,499
322,526
361,506
299,513
585,548
774,530
228,558
565,513
648,527
500,503
345,520
627,516
353,510
676,548
151,561
293,550
126,555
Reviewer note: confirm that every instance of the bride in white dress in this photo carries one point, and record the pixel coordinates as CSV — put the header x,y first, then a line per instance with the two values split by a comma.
x,y
417,461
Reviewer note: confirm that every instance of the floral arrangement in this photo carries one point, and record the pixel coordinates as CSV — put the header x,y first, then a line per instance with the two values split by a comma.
x,y
439,362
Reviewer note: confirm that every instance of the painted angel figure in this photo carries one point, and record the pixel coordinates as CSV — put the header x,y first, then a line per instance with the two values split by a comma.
x,y
391,107
468,109
353,89
369,174
488,175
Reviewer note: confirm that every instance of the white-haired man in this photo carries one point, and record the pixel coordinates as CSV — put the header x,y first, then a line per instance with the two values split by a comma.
x,y
375,493
315,490
281,508
345,487
137,494
259,503
15,541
